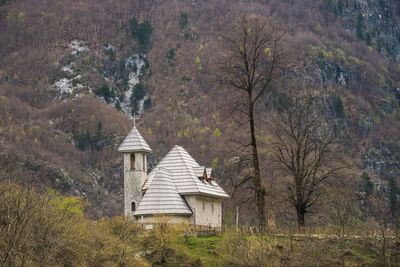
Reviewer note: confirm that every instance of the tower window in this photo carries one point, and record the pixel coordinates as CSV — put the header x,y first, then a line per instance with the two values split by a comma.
x,y
144,161
203,206
132,161
133,206
212,207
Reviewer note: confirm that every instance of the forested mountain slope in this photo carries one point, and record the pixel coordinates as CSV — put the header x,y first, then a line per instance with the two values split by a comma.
x,y
71,72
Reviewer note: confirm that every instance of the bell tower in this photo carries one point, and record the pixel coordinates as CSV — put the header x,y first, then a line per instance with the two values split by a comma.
x,y
134,149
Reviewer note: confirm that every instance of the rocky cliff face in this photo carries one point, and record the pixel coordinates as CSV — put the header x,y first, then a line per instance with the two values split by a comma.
x,y
375,22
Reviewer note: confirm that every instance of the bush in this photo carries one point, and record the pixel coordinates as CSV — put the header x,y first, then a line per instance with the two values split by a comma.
x,y
52,231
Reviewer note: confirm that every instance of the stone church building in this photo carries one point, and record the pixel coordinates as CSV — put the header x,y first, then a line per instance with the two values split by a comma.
x,y
178,187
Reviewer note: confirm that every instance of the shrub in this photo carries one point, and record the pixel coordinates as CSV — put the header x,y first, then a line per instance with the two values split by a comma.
x,y
52,231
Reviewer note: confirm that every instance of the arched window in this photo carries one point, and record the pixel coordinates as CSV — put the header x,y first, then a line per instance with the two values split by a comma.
x,y
132,161
133,206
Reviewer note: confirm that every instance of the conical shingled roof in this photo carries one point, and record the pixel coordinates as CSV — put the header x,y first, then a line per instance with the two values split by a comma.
x,y
162,197
184,170
134,142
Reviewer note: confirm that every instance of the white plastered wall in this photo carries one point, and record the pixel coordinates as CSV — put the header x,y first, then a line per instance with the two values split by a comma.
x,y
207,210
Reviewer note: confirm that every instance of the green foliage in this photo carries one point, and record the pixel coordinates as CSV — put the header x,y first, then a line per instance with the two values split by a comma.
x,y
75,82
106,92
147,104
340,7
360,26
110,53
82,140
146,63
50,230
170,54
368,39
122,72
339,106
217,132
380,43
214,163
141,32
134,27
138,91
163,246
118,105
183,20
71,205
394,192
368,184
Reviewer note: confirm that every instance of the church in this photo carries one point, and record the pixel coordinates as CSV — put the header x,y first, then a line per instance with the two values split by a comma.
x,y
177,188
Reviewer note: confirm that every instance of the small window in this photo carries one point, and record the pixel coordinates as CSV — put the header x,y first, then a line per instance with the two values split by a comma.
x,y
212,207
133,206
144,161
203,206
132,161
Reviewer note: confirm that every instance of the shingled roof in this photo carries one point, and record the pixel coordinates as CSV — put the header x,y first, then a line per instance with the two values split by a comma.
x,y
184,170
134,142
162,197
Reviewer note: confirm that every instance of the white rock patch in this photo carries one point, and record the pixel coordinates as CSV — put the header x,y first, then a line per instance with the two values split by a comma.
x,y
77,46
133,79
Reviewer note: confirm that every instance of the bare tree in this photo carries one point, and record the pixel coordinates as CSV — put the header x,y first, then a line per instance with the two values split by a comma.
x,y
251,64
304,145
382,242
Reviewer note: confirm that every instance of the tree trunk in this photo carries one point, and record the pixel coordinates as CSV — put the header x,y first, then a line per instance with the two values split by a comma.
x,y
259,188
300,217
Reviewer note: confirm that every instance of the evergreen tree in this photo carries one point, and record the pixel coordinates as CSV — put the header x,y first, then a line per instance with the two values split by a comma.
x,y
183,20
368,185
340,7
360,26
368,38
394,191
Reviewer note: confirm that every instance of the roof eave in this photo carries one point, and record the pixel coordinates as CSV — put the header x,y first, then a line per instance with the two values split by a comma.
x,y
205,194
123,150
